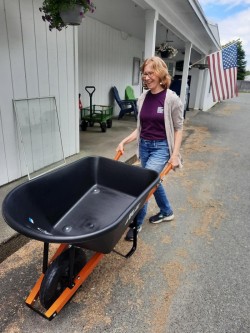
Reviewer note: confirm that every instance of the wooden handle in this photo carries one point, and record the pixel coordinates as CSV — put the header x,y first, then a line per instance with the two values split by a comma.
x,y
166,170
118,155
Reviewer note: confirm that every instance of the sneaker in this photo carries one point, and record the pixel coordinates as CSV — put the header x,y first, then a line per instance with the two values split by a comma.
x,y
130,233
161,218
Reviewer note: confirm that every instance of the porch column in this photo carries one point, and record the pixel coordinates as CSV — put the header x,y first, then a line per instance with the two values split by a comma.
x,y
198,102
206,85
188,47
151,17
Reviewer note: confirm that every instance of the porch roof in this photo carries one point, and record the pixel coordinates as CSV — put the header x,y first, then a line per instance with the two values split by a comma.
x,y
184,19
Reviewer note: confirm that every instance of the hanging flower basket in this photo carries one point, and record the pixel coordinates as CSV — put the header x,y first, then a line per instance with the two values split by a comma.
x,y
72,16
166,51
61,13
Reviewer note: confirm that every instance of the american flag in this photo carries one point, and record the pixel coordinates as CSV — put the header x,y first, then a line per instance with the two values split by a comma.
x,y
223,72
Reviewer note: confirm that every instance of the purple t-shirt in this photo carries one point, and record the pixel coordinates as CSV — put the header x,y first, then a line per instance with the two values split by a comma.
x,y
152,117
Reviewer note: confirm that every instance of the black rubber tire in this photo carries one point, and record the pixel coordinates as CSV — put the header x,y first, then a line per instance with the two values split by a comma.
x,y
91,123
84,125
56,277
103,127
109,123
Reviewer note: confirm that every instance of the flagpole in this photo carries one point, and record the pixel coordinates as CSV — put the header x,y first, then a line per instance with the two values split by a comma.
x,y
232,43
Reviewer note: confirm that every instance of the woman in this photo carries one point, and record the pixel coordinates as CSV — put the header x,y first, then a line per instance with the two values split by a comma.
x,y
159,133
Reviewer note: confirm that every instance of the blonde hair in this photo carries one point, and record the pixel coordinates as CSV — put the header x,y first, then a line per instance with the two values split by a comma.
x,y
160,69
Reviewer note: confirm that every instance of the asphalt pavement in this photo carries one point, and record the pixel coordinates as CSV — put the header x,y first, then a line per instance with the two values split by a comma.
x,y
191,275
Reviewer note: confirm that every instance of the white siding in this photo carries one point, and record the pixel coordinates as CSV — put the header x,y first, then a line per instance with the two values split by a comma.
x,y
3,165
106,60
9,152
34,62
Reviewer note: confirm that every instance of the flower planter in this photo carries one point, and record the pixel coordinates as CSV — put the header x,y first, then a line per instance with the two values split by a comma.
x,y
73,15
166,51
165,54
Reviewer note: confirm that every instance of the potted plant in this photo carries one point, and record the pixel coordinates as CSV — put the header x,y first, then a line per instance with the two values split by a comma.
x,y
166,50
61,13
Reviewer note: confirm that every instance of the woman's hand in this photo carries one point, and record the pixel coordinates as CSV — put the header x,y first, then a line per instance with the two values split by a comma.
x,y
174,160
120,147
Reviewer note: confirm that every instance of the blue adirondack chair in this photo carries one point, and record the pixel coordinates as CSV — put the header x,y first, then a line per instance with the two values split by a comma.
x,y
126,106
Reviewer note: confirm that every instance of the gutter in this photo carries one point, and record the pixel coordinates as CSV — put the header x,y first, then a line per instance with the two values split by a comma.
x,y
201,16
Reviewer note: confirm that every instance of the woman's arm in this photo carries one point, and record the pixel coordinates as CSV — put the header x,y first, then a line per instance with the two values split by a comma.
x,y
128,139
174,158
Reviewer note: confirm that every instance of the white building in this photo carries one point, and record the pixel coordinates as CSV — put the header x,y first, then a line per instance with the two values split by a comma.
x,y
35,62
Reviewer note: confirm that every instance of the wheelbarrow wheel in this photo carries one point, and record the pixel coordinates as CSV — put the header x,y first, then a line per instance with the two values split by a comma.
x,y
109,123
57,276
103,127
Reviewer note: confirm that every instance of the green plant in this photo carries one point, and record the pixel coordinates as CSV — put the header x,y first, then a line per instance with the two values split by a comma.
x,y
51,11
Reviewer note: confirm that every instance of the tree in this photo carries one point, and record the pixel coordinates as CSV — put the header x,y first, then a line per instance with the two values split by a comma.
x,y
241,62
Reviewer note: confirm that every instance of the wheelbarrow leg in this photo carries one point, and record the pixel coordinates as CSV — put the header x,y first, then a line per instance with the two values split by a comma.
x,y
133,225
135,234
71,266
45,257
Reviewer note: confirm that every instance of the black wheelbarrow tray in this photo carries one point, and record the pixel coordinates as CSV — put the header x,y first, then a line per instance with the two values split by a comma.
x,y
87,204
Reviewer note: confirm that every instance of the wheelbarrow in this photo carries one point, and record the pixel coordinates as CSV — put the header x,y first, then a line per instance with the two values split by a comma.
x,y
85,205
92,114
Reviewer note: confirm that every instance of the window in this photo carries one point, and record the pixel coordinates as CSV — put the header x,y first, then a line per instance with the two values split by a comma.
x,y
136,71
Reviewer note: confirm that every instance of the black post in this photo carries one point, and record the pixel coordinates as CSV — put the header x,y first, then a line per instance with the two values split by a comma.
x,y
45,257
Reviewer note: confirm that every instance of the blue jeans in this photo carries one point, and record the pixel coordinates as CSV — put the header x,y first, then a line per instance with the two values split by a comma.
x,y
154,155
